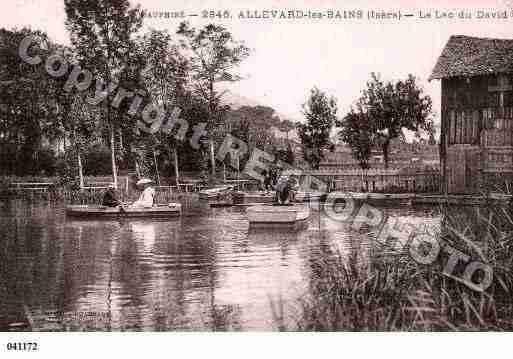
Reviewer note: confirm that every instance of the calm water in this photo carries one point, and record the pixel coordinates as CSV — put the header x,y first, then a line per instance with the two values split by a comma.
x,y
204,271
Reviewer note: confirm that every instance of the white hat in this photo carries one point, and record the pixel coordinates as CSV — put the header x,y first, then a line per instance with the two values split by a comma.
x,y
144,181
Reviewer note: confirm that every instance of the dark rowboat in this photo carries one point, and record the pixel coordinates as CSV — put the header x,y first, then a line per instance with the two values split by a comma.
x,y
95,211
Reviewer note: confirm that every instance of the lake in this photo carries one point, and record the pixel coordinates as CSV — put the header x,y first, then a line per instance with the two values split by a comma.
x,y
204,271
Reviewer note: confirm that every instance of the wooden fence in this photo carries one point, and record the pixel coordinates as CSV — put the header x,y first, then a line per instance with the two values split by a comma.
x,y
421,182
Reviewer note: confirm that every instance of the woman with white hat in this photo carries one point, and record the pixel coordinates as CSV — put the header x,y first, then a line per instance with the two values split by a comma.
x,y
146,197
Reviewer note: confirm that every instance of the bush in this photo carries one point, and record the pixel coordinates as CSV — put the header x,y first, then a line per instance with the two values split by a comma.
x,y
392,292
46,162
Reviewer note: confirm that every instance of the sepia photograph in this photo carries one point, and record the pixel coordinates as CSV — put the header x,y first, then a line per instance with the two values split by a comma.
x,y
272,166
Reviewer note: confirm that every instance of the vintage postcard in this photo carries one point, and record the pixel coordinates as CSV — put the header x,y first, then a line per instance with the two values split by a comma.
x,y
242,166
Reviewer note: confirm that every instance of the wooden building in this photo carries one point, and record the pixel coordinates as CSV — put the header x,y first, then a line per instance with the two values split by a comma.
x,y
476,142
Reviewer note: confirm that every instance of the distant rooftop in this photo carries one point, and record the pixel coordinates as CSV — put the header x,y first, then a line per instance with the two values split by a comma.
x,y
473,56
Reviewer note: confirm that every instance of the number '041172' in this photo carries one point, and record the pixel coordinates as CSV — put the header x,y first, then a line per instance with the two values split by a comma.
x,y
22,346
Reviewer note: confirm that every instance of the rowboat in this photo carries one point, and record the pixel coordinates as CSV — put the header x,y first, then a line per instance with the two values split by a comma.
x,y
215,192
293,216
253,197
310,196
95,211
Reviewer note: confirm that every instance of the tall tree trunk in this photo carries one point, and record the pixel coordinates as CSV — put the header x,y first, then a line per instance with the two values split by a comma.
x,y
121,140
211,111
156,166
212,159
79,160
175,155
137,169
238,168
80,170
385,153
362,179
113,156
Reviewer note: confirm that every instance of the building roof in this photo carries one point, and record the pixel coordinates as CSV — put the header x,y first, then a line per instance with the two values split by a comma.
x,y
473,56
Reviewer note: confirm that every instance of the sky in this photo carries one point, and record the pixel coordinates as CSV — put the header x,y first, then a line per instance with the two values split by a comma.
x,y
289,57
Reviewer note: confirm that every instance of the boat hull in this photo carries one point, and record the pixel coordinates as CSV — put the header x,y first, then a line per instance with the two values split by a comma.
x,y
310,197
295,217
95,212
215,193
253,197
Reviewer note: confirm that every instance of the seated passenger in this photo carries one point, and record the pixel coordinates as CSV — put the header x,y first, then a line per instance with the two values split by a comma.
x,y
147,195
109,198
282,190
293,184
267,181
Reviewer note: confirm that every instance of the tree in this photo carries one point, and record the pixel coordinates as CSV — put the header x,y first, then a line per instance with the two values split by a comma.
x,y
81,123
287,126
72,118
253,125
102,35
357,132
392,107
285,155
165,78
432,139
321,113
213,54
25,105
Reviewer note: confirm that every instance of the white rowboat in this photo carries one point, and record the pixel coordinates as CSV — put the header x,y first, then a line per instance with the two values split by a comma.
x,y
295,216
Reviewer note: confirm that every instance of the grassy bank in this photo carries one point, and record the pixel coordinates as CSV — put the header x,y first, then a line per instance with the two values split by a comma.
x,y
392,292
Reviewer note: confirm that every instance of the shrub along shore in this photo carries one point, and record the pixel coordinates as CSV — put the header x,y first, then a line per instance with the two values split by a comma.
x,y
393,292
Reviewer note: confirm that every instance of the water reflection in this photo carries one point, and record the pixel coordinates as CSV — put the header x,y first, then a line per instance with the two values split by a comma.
x,y
204,271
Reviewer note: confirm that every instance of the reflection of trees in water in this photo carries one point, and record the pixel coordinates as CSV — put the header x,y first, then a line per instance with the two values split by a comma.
x,y
275,274
224,317
30,263
199,248
270,238
88,270
154,275
147,296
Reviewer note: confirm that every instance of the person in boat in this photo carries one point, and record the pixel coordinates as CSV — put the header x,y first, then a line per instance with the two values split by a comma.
x,y
293,185
283,190
109,197
147,195
267,181
273,175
